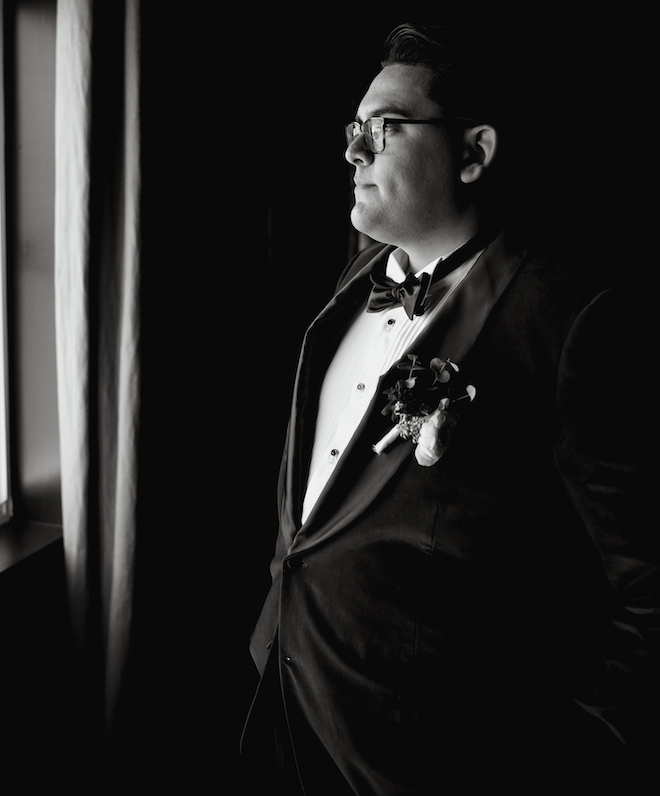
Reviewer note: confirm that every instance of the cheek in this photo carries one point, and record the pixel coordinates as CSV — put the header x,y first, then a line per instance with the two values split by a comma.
x,y
421,185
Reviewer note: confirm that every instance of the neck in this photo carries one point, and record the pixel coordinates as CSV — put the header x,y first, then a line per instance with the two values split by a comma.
x,y
423,251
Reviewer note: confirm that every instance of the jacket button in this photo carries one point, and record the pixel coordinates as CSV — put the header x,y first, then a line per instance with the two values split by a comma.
x,y
294,564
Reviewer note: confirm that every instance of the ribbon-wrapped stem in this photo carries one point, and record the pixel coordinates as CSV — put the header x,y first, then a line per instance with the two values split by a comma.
x,y
387,440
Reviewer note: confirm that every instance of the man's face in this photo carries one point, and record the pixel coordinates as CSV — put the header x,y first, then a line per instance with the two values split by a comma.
x,y
408,191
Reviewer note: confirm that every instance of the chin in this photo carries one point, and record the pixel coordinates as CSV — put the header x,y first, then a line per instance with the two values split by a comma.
x,y
367,226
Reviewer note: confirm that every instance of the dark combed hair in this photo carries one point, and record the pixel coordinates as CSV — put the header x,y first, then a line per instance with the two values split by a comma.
x,y
456,84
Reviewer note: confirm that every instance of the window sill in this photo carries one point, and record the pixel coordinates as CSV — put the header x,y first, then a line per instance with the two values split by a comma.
x,y
20,541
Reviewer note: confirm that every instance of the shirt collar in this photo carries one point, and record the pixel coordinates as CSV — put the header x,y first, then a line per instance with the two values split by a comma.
x,y
398,265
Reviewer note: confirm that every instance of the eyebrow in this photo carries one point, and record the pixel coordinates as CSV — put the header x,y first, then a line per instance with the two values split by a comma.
x,y
385,110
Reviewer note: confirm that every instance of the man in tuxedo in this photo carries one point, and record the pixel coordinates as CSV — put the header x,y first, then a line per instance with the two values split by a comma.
x,y
465,586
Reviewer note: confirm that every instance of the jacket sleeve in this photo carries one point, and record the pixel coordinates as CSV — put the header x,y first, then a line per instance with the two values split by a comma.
x,y
606,452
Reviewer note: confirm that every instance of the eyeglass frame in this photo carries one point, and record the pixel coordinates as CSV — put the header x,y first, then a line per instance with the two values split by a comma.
x,y
350,128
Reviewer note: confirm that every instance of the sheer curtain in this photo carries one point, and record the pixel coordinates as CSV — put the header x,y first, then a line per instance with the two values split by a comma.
x,y
137,249
97,287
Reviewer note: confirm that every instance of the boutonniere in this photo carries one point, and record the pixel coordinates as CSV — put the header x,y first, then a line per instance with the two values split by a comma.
x,y
420,406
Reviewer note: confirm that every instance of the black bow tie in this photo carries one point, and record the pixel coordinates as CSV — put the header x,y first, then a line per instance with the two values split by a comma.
x,y
412,293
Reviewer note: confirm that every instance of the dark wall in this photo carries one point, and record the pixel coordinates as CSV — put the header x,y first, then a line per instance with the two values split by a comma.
x,y
36,711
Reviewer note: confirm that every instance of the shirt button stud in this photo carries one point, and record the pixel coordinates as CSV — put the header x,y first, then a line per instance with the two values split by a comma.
x,y
360,387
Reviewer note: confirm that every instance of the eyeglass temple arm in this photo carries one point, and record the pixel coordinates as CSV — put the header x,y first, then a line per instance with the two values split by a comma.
x,y
429,121
390,120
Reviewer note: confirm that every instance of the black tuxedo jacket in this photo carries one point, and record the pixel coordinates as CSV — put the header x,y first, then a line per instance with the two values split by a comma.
x,y
491,619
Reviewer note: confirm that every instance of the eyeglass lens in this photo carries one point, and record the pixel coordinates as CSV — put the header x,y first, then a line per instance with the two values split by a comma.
x,y
373,130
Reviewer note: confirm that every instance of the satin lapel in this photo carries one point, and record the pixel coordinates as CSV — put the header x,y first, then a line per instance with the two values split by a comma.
x,y
318,348
361,475
464,314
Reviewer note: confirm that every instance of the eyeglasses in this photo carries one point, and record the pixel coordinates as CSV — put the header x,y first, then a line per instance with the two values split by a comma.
x,y
374,129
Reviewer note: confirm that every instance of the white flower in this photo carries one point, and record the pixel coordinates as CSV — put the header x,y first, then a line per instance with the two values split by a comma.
x,y
429,449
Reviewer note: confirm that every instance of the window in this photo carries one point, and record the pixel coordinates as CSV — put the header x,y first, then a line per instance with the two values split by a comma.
x,y
29,432
5,498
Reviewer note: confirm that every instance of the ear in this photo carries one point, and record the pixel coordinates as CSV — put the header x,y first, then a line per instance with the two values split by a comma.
x,y
479,146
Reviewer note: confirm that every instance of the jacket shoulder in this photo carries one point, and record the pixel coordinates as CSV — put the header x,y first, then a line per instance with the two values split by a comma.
x,y
552,288
530,323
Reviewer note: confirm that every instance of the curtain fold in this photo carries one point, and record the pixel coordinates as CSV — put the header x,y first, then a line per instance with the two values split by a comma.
x,y
97,293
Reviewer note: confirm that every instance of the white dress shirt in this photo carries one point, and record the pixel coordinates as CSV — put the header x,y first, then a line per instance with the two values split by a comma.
x,y
371,346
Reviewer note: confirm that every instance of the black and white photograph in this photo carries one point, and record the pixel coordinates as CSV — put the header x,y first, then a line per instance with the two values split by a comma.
x,y
328,421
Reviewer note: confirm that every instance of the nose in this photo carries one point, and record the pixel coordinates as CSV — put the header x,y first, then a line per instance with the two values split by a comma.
x,y
358,153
